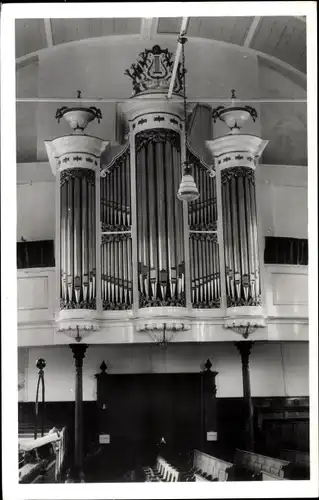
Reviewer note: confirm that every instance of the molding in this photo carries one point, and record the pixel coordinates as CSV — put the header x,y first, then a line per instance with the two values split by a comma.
x,y
105,168
25,272
236,144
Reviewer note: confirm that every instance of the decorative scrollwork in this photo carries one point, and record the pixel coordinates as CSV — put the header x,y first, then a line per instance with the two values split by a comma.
x,y
213,304
114,227
204,236
212,226
236,172
146,302
156,136
112,306
241,302
153,71
77,173
107,238
66,304
96,112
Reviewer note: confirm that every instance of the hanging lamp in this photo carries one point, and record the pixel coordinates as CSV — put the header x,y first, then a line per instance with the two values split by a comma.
x,y
187,190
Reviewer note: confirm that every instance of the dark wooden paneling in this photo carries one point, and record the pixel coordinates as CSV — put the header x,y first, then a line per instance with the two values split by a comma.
x,y
292,251
32,254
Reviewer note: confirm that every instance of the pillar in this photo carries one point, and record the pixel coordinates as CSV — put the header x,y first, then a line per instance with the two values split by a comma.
x,y
75,162
244,349
102,399
78,351
210,405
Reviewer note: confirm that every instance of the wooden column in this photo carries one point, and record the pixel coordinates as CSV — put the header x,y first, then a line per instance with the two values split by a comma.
x,y
244,349
210,406
78,354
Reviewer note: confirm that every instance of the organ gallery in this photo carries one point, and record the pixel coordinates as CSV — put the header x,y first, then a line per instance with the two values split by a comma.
x,y
163,308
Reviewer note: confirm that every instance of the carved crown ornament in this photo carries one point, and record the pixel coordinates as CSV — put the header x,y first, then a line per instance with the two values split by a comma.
x,y
152,72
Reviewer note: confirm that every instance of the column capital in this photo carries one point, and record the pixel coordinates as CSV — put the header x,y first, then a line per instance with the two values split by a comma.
x,y
152,112
244,349
239,150
75,151
78,352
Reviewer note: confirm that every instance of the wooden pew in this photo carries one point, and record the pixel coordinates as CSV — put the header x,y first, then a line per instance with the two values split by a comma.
x,y
266,476
300,463
165,472
256,464
211,468
296,457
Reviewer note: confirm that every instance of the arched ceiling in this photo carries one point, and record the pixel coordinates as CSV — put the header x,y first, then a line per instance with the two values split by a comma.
x,y
281,38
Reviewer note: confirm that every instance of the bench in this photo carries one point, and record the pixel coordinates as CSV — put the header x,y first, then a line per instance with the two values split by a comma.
x,y
164,472
266,476
211,468
256,464
300,463
296,457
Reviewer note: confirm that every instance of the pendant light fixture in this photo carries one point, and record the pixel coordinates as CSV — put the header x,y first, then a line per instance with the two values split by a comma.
x,y
187,190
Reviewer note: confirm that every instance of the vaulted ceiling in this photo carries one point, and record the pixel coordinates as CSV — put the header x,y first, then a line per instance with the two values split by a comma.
x,y
263,58
282,38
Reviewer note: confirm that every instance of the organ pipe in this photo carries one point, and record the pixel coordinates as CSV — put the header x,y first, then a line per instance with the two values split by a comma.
x,y
159,219
204,260
116,246
240,237
77,251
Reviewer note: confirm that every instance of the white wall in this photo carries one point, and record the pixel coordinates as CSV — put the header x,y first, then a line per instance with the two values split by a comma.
x,y
283,201
36,211
277,369
290,211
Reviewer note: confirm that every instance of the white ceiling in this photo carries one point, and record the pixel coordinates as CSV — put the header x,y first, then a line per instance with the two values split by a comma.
x,y
281,37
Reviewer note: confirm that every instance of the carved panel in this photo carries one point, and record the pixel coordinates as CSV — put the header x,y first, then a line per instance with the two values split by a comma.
x,y
33,293
290,289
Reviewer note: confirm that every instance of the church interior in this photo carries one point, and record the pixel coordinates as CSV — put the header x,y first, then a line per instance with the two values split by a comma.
x,y
162,249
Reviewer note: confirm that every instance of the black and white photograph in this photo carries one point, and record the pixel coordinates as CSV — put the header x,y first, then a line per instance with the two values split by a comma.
x,y
162,326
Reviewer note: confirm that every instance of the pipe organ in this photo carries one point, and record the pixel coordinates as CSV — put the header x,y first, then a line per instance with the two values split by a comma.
x,y
126,242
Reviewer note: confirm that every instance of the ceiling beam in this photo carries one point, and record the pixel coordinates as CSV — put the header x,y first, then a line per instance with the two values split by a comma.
x,y
48,32
149,27
252,31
